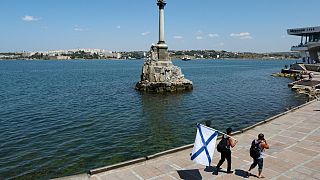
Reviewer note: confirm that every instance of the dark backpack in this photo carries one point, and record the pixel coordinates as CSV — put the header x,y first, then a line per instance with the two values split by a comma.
x,y
255,150
222,145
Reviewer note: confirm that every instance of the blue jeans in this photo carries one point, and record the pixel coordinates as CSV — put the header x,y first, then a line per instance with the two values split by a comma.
x,y
256,162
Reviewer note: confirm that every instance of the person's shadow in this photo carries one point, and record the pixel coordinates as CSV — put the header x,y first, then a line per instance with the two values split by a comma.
x,y
243,174
190,174
209,169
238,172
214,170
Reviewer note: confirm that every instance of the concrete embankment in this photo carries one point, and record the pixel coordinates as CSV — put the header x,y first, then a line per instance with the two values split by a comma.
x,y
293,136
307,78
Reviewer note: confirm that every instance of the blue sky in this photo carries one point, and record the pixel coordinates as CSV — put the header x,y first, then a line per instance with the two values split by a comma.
x,y
125,25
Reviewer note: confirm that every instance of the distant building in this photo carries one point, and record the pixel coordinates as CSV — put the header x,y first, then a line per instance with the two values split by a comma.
x,y
119,55
309,46
59,57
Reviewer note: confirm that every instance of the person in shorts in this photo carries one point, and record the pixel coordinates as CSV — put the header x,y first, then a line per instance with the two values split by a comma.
x,y
262,144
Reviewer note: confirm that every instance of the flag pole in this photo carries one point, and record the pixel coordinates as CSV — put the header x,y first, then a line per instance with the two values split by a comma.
x,y
218,131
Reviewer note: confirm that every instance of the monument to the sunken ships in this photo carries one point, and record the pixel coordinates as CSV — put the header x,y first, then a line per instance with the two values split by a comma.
x,y
158,72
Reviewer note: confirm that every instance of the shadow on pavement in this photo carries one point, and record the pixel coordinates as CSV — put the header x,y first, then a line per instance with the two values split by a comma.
x,y
209,169
244,174
241,173
189,174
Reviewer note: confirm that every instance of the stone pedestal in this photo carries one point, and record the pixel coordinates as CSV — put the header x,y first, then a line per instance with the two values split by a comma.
x,y
160,75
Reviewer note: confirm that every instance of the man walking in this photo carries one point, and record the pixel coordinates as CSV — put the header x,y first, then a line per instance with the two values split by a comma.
x,y
226,153
261,144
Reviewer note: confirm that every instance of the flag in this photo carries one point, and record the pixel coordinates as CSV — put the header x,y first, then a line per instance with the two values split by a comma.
x,y
204,145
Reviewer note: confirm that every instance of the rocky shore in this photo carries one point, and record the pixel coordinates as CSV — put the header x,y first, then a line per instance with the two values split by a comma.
x,y
306,78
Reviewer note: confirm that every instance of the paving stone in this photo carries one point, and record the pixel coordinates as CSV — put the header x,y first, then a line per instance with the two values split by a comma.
x,y
292,134
109,177
126,174
282,177
305,171
228,177
146,172
316,175
182,162
313,138
314,164
163,166
297,175
293,157
308,145
163,177
268,173
306,124
304,151
279,165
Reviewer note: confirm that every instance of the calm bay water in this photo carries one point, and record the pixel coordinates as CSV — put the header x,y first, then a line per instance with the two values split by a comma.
x,y
60,118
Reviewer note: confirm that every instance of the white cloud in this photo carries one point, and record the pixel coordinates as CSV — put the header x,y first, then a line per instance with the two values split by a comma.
x,y
221,44
199,33
28,18
242,35
145,33
79,29
213,35
178,37
246,37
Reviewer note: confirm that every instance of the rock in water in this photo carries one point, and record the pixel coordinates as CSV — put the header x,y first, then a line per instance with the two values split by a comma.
x,y
162,76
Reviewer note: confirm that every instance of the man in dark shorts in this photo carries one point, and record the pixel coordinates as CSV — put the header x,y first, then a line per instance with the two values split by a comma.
x,y
262,144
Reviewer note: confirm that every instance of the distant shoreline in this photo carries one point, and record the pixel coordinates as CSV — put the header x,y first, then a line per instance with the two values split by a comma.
x,y
93,54
176,59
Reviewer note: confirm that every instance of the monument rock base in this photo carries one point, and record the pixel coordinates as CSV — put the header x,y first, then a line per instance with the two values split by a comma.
x,y
162,76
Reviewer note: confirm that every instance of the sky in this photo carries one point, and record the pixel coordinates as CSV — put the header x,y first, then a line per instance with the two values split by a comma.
x,y
128,25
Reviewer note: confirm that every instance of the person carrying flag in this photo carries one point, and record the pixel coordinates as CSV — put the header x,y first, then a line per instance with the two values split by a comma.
x,y
226,153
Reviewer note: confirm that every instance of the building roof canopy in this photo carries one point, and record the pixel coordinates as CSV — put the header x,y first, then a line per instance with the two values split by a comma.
x,y
304,31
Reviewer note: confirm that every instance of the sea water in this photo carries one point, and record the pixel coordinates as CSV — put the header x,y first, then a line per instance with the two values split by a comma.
x,y
60,118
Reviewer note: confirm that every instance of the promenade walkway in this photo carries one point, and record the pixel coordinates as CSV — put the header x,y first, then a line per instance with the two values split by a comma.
x,y
294,153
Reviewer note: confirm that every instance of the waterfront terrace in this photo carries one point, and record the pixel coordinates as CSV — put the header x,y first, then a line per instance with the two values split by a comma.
x,y
294,138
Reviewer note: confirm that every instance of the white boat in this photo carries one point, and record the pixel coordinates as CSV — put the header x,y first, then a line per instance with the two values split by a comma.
x,y
185,58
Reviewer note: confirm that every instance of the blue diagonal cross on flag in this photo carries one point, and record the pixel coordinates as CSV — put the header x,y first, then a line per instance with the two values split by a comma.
x,y
204,145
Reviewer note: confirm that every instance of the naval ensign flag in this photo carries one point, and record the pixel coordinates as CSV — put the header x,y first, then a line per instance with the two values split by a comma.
x,y
204,145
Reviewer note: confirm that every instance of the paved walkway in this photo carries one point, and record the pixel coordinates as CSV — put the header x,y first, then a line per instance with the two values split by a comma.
x,y
294,153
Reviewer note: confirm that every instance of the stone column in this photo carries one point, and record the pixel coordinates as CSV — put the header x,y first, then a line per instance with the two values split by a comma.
x,y
161,4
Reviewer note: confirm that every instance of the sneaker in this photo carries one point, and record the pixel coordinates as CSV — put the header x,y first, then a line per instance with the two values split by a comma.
x,y
229,172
